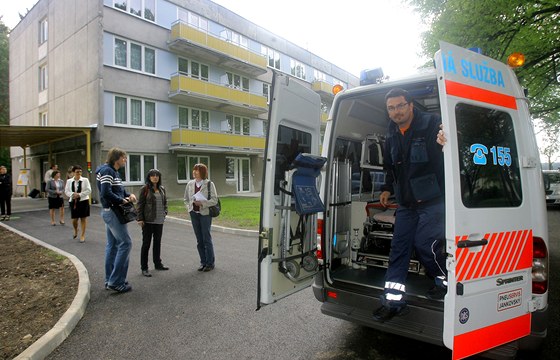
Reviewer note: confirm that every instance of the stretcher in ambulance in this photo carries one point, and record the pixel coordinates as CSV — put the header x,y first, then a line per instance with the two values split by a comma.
x,y
322,224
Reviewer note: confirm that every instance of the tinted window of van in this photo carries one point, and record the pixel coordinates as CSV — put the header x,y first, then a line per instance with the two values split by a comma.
x,y
291,142
488,158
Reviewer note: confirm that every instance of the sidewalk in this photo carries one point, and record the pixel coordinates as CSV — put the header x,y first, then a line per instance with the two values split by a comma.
x,y
62,329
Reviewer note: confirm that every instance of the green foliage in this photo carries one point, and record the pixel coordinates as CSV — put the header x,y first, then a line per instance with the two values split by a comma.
x,y
237,212
501,27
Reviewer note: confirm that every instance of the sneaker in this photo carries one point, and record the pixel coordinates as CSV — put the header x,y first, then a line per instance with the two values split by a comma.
x,y
208,268
201,268
146,273
384,313
3,218
161,267
436,293
107,285
120,288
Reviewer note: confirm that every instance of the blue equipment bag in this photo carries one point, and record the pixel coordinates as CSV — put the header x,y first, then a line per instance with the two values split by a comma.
x,y
304,183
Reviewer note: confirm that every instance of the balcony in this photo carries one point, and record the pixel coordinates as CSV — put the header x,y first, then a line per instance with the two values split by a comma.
x,y
186,90
323,88
201,45
207,141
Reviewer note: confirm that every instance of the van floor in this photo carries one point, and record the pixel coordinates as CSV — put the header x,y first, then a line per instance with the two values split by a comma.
x,y
374,277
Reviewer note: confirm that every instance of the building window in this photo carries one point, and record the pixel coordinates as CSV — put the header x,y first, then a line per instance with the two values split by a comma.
x,y
233,37
141,58
266,92
43,119
137,166
193,69
43,78
297,69
43,31
230,168
238,82
142,8
273,57
238,125
185,165
142,112
194,20
319,76
194,119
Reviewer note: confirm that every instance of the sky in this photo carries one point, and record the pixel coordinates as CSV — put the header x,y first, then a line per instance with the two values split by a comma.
x,y
352,34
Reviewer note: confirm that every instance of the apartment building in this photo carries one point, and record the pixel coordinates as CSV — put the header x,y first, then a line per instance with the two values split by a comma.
x,y
172,82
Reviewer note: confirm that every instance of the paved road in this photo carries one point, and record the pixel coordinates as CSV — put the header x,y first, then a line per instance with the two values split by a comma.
x,y
185,314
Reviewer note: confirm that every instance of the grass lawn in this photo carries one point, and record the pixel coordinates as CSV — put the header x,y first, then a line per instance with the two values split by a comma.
x,y
237,212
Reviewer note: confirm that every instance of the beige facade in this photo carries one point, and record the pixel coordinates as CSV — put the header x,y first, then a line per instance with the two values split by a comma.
x,y
172,83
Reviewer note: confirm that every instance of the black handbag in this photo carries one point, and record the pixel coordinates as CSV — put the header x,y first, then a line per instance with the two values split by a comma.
x,y
214,210
125,212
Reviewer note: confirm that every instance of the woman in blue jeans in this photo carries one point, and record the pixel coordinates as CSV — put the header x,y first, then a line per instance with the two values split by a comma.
x,y
200,194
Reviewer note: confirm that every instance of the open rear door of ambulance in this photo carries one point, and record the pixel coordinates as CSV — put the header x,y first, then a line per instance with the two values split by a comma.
x,y
488,238
287,259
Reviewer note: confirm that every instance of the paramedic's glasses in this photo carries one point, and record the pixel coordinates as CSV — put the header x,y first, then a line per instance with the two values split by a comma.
x,y
399,107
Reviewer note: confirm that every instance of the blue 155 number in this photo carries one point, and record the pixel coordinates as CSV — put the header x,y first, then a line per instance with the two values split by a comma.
x,y
500,155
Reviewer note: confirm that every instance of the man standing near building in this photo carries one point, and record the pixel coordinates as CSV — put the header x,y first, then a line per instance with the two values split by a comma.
x,y
414,167
112,193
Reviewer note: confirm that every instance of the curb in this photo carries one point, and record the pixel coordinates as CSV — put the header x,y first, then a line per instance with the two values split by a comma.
x,y
46,344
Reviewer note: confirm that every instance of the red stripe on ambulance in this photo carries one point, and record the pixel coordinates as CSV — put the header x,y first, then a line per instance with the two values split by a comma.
x,y
470,92
505,252
488,337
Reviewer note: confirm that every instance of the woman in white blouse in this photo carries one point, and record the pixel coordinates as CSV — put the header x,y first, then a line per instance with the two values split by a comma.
x,y
78,190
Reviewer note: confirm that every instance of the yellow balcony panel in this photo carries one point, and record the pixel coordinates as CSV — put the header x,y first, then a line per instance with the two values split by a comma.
x,y
194,92
322,88
187,40
207,141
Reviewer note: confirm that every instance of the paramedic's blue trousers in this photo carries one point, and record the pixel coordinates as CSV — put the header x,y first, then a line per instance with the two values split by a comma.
x,y
422,229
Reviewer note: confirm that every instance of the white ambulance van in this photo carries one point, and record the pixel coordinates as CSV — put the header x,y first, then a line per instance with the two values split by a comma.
x,y
320,228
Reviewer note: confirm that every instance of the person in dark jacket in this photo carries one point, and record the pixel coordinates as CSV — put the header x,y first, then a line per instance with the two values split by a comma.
x,y
413,163
5,194
152,210
112,193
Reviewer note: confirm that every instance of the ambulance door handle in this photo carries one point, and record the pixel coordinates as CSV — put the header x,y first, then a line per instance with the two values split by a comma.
x,y
471,243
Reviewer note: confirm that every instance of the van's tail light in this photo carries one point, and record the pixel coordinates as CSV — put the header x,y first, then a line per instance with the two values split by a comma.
x,y
540,266
319,239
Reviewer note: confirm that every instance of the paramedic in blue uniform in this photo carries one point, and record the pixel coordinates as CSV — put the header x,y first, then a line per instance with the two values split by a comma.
x,y
414,174
119,243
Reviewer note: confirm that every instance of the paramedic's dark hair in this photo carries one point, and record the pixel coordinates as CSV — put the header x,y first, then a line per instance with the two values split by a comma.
x,y
396,92
76,167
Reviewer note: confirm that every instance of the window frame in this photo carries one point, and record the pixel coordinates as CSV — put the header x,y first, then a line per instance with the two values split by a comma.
x,y
126,6
128,109
43,77
125,60
43,31
204,117
144,168
190,159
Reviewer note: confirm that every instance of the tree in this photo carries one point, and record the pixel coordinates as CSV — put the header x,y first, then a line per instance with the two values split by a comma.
x,y
501,27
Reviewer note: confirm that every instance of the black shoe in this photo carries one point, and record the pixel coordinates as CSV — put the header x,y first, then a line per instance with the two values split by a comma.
x,y
162,267
201,268
146,273
384,313
436,293
208,268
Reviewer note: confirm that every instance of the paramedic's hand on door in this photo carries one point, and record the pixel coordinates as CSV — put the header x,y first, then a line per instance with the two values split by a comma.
x,y
441,136
384,198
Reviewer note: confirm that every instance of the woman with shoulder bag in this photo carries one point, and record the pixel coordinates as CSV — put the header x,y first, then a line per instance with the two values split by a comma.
x,y
55,190
200,194
152,210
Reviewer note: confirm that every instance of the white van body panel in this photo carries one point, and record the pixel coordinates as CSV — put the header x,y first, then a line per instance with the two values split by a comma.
x,y
302,116
490,294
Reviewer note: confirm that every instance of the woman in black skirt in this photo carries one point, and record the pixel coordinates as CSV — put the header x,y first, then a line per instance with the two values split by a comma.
x,y
78,190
